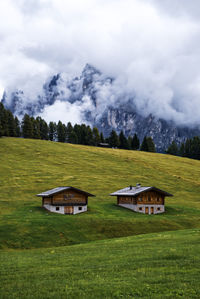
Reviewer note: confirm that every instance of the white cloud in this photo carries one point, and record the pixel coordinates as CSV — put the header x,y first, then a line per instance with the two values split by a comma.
x,y
151,46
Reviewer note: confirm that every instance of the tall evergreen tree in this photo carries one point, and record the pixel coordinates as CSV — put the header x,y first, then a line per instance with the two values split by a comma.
x,y
188,148
17,126
148,145
36,128
173,149
77,130
52,131
4,120
61,132
135,142
96,136
195,148
113,139
102,138
11,124
129,139
1,130
69,131
182,149
73,137
151,145
44,129
89,140
27,127
123,141
144,145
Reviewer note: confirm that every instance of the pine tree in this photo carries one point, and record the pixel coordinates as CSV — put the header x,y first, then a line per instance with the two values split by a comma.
x,y
36,128
182,150
11,124
69,131
148,145
27,127
4,120
113,139
173,149
89,140
135,142
73,138
61,132
151,145
1,130
96,136
17,126
195,148
188,150
52,131
144,145
102,138
129,139
123,142
77,131
44,129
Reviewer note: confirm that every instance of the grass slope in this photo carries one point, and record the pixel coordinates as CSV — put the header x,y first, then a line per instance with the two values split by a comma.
x,y
162,265
28,167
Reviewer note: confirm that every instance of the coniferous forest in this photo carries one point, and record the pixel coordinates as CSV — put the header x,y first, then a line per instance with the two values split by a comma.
x,y
38,128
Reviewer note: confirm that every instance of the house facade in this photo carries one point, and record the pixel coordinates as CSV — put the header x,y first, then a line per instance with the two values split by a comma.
x,y
65,200
147,200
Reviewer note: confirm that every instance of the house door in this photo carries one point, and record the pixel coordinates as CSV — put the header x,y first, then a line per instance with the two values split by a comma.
x,y
69,210
146,210
152,210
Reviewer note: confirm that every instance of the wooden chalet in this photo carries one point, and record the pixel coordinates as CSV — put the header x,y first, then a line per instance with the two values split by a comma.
x,y
65,200
147,200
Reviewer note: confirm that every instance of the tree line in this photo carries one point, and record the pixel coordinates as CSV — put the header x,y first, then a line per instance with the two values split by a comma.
x,y
37,128
190,148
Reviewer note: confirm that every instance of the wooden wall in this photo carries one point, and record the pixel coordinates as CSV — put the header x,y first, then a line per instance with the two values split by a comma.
x,y
126,200
69,197
150,197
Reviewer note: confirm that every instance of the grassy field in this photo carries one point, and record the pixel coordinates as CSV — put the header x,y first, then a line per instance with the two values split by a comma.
x,y
29,167
162,265
108,251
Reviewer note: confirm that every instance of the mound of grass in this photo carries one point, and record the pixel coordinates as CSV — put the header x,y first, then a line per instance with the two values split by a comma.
x,y
162,265
28,167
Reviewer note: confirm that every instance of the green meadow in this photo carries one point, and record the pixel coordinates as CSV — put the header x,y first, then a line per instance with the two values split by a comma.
x,y
108,251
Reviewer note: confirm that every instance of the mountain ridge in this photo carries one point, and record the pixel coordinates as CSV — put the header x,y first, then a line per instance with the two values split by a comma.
x,y
100,106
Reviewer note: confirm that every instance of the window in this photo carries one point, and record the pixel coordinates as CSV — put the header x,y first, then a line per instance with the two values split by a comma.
x,y
140,209
158,209
140,199
149,198
158,199
80,208
57,208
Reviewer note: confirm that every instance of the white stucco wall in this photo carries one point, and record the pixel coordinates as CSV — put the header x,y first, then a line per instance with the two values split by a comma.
x,y
53,209
129,206
61,209
136,208
77,211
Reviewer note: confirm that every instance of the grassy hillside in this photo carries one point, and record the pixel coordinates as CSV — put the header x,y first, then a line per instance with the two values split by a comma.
x,y
163,265
28,167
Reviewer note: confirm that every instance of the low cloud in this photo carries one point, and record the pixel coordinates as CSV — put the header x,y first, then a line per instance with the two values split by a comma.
x,y
151,47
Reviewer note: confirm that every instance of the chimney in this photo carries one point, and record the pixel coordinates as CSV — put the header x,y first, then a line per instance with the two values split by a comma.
x,y
138,186
131,187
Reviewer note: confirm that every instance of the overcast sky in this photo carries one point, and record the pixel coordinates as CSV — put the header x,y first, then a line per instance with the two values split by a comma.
x,y
151,46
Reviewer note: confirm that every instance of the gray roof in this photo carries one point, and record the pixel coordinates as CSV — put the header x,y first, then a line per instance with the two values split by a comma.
x,y
60,189
132,191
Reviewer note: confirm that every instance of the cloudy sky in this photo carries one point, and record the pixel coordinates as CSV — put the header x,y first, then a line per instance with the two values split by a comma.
x,y
151,46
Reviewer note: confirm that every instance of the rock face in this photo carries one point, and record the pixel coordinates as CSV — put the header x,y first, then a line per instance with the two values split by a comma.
x,y
101,108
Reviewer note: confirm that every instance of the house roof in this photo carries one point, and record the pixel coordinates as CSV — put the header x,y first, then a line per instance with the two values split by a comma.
x,y
51,192
133,191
